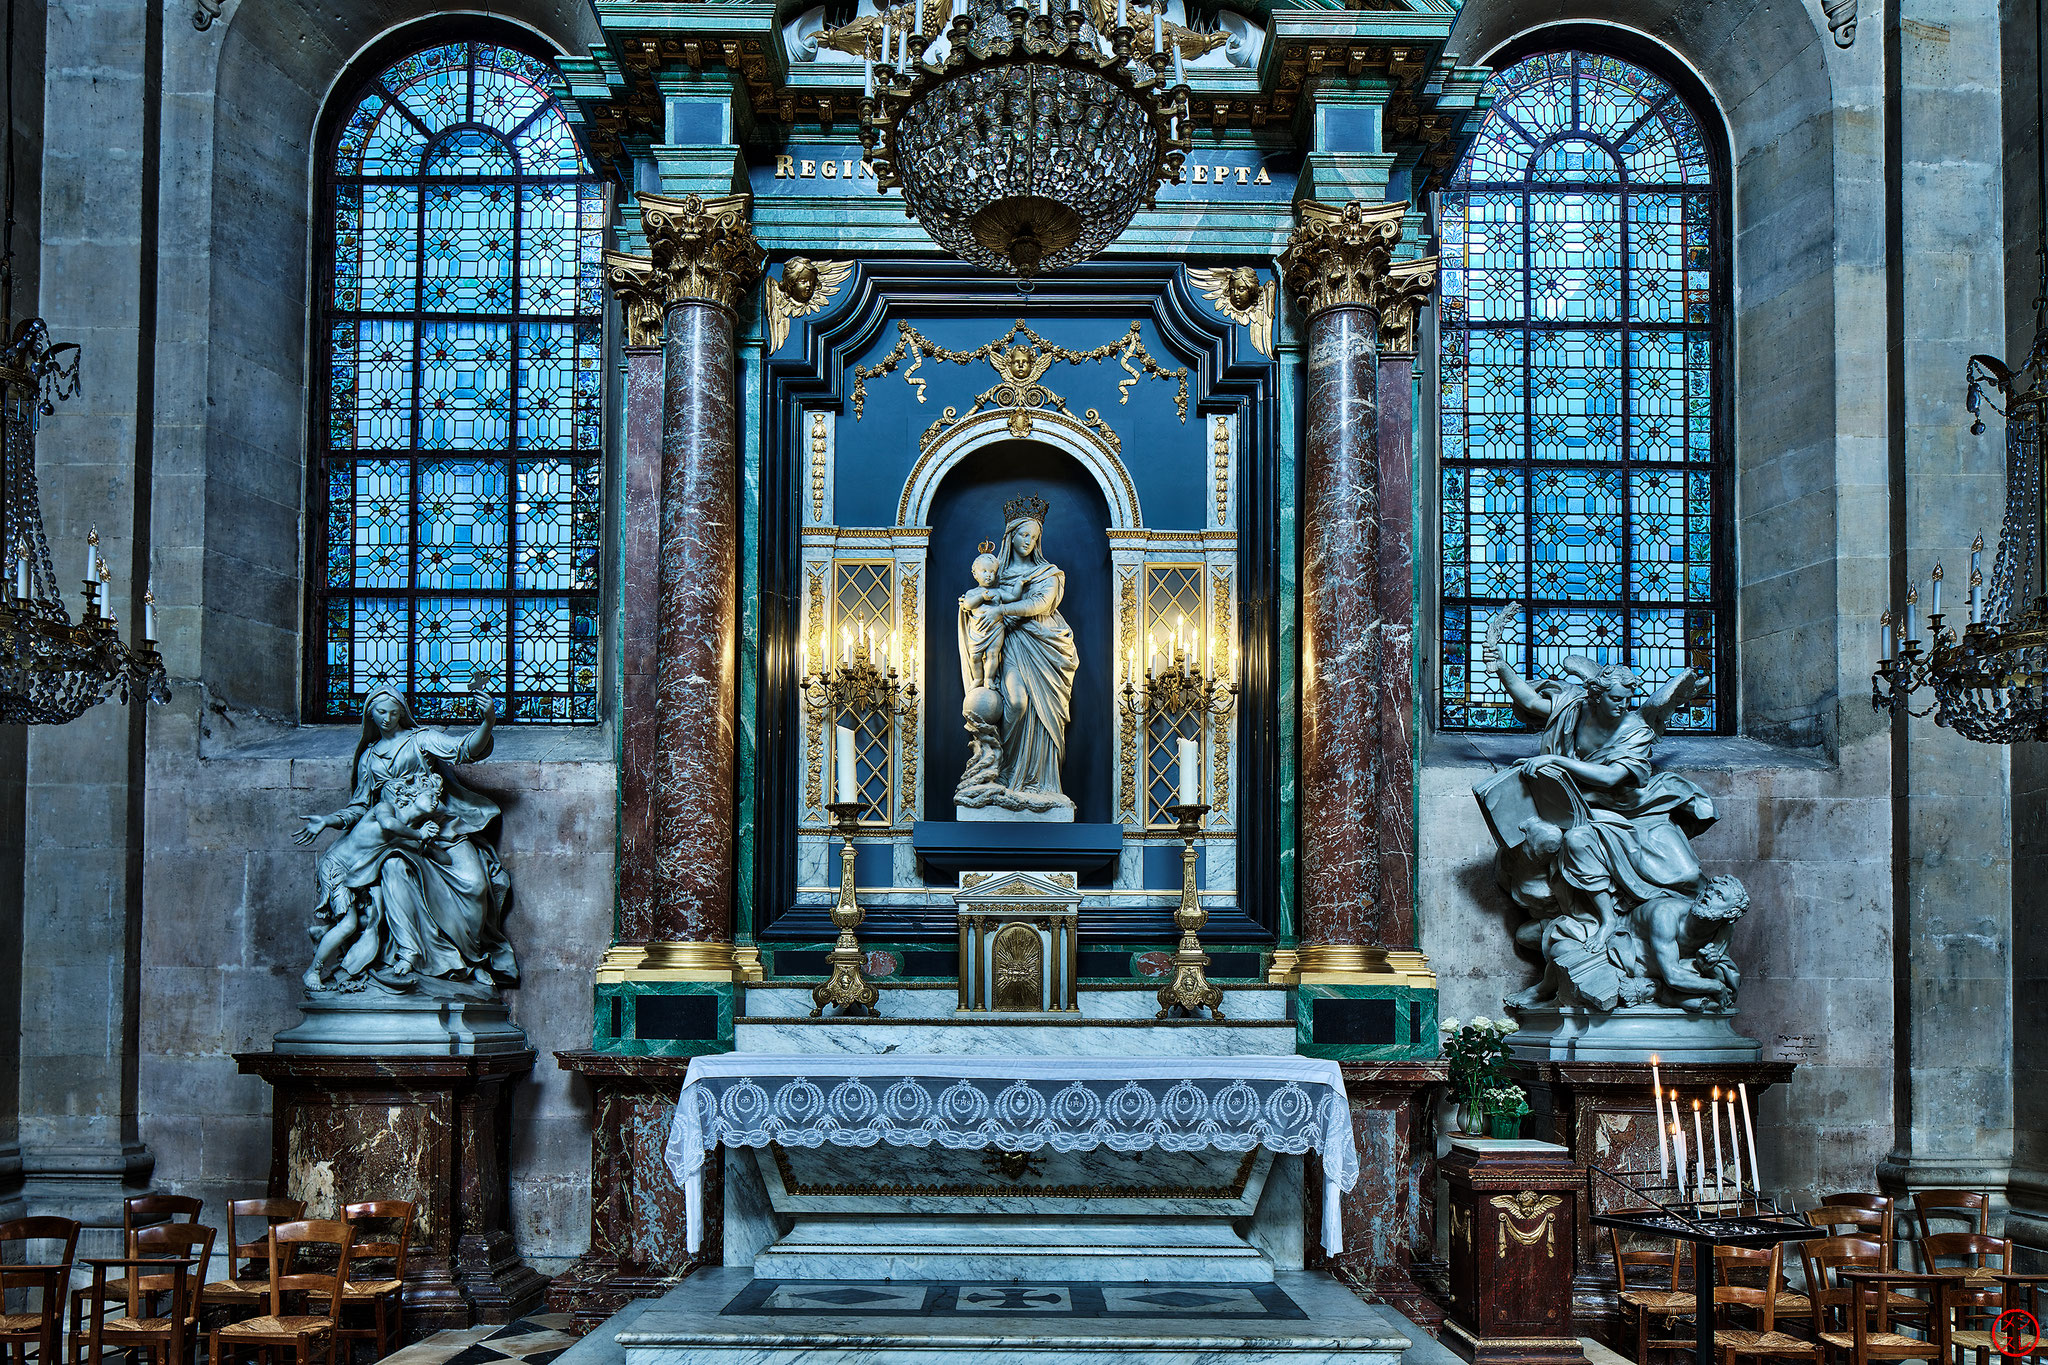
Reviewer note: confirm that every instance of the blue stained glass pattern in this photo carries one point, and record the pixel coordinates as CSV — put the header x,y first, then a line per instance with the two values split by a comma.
x,y
460,540
1582,472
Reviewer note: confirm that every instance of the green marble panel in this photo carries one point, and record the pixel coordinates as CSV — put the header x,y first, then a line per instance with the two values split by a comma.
x,y
1412,1017
663,1007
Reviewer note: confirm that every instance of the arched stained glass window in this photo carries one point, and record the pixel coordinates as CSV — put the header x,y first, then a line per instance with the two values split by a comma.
x,y
457,540
1584,460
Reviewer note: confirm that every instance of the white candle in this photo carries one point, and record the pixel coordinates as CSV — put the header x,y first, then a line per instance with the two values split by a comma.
x,y
803,650
1657,1104
1678,1148
1749,1130
21,576
918,22
1699,1154
903,50
148,614
1190,773
843,746
845,643
869,64
92,555
1714,1122
1934,593
1977,554
1734,1151
1123,8
1180,66
1976,601
1156,26
1886,620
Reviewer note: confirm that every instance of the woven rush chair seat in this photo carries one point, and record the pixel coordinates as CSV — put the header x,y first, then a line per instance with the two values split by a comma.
x,y
21,1322
1661,1300
1740,1341
1846,1341
295,1325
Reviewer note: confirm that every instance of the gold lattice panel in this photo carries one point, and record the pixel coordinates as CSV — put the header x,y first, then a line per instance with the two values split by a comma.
x,y
1173,599
863,595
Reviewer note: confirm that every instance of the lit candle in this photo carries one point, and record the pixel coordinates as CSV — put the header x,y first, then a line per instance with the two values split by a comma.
x,y
1678,1146
1657,1100
1977,554
1734,1151
1197,642
845,643
1699,1154
843,748
1190,773
1714,1122
148,614
1152,663
1749,1130
92,555
1934,594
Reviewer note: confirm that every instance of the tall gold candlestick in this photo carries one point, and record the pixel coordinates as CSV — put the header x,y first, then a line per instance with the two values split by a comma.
x,y
1190,990
848,987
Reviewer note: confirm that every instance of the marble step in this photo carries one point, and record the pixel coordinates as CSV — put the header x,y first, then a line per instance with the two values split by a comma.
x,y
1030,1036
726,1316
1240,1003
1154,1251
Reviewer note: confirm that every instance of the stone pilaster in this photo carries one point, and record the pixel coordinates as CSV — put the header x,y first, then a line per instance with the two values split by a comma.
x,y
1354,801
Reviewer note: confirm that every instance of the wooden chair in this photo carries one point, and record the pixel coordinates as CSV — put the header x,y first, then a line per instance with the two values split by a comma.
x,y
1972,1324
1643,1299
1961,1260
247,1288
1854,1220
165,1339
143,1211
384,1296
1867,1298
1764,1338
19,1270
1768,1267
1876,1203
1827,1257
1969,1207
300,1333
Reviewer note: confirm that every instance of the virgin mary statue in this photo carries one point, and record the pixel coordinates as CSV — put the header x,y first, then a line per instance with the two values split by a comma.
x,y
1018,661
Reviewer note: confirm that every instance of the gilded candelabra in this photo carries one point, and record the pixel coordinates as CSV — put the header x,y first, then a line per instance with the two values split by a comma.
x,y
1180,688
1189,991
861,682
848,987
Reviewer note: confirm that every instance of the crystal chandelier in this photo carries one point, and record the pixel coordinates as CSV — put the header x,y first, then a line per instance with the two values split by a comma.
x,y
1026,138
1990,682
52,669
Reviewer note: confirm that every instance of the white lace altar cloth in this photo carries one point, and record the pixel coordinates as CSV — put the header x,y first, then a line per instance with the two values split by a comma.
x,y
1014,1104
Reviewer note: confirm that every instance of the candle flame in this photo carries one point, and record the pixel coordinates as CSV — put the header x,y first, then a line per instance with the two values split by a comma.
x,y
1695,1106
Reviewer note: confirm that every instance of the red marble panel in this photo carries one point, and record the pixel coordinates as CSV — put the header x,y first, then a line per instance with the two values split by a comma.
x,y
639,630
1393,814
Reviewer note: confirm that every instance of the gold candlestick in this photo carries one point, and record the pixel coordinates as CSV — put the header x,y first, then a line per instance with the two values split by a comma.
x,y
1190,989
848,987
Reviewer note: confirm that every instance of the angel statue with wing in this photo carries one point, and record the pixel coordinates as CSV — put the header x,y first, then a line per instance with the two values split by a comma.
x,y
1597,847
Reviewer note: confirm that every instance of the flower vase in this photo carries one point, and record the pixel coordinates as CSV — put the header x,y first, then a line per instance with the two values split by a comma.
x,y
1472,1116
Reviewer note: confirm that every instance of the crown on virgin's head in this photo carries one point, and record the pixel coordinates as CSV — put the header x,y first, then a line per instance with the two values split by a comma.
x,y
1031,506
987,547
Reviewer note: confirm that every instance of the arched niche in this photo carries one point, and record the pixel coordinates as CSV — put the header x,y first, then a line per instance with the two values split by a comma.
x,y
1088,449
966,508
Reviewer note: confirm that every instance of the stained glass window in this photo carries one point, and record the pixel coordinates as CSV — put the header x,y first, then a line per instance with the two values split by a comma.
x,y
1584,470
458,541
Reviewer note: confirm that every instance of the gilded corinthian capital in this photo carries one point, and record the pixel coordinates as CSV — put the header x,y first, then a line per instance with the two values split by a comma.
x,y
633,279
703,250
1402,292
1338,255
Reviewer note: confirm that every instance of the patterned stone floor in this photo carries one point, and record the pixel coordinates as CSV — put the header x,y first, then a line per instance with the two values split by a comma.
x,y
535,1340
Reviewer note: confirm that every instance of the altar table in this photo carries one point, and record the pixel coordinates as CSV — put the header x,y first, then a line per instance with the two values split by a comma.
x,y
1015,1104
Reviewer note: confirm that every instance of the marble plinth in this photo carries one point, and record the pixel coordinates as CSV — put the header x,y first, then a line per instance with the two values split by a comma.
x,y
373,1023
998,1036
1058,815
1551,1033
1035,1249
726,1317
1241,1004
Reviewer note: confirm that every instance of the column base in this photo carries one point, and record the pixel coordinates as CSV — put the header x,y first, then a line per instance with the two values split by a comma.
x,y
12,1205
86,1183
1371,1019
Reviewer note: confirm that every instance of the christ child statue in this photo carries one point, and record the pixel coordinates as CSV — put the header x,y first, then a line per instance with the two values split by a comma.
x,y
350,915
985,634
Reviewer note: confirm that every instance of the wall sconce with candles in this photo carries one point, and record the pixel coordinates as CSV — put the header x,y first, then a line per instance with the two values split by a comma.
x,y
1180,686
864,679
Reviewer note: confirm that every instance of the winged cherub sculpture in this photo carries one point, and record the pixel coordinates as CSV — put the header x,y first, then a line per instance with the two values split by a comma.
x,y
1239,295
805,288
1597,847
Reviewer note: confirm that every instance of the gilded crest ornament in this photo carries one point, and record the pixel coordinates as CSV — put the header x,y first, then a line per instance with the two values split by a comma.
x,y
806,287
1528,1216
1242,297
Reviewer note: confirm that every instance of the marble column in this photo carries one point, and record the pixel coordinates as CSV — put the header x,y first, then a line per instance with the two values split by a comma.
x,y
680,897
1335,266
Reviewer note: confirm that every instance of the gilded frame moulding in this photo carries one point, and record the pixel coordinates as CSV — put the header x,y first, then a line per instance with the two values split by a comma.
x,y
1019,367
908,576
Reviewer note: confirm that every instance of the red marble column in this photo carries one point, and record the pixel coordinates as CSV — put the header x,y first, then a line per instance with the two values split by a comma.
x,y
1393,794
704,257
1340,628
639,626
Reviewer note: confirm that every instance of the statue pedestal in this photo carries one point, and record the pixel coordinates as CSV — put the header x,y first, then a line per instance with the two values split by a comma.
x,y
350,1024
1555,1033
1512,1206
435,1131
1600,1113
